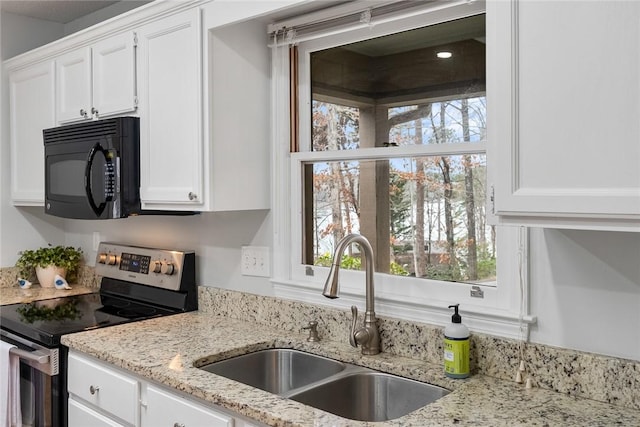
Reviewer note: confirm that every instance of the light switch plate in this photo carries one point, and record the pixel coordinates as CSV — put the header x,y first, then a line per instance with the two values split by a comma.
x,y
255,261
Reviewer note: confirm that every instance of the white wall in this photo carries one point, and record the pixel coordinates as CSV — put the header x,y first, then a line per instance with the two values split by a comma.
x,y
585,290
217,239
22,33
102,15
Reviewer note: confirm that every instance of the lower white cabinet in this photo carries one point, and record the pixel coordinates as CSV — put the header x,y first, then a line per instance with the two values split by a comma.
x,y
82,415
103,388
164,409
102,395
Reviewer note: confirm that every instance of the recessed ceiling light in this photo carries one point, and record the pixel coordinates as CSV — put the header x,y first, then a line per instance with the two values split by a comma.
x,y
444,54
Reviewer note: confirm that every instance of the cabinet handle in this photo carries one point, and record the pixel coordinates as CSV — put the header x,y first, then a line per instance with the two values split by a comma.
x,y
93,390
94,112
83,113
178,425
193,196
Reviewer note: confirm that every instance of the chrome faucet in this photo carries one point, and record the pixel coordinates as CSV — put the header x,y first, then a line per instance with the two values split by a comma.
x,y
367,336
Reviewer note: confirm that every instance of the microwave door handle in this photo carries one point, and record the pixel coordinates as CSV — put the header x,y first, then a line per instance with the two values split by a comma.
x,y
97,209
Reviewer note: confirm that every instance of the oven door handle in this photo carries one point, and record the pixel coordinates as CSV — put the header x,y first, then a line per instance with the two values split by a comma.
x,y
32,356
43,359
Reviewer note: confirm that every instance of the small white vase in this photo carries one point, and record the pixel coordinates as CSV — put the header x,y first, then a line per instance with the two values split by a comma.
x,y
47,274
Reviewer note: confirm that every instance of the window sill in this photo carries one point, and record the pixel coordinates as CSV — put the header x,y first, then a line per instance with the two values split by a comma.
x,y
479,319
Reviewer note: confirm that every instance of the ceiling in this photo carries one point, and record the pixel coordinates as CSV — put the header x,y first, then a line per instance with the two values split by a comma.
x,y
56,10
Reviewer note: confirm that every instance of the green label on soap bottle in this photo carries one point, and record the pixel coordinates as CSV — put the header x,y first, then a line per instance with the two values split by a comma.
x,y
456,358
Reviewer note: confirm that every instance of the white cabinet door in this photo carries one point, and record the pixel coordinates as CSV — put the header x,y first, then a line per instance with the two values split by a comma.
x,y
104,388
32,101
164,409
171,143
101,394
83,416
98,81
114,77
73,84
564,98
238,117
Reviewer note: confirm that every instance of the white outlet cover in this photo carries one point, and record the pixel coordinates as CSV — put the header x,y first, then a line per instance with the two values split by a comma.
x,y
255,261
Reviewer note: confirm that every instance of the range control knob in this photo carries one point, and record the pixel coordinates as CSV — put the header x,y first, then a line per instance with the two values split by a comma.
x,y
167,268
112,259
156,266
102,258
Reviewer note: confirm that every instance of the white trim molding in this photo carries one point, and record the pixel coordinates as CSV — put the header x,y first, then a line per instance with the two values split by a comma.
x,y
504,309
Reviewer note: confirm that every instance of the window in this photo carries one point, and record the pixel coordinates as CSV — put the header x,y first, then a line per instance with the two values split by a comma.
x,y
392,145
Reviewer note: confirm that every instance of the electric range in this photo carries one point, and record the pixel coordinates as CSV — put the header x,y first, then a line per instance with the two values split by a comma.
x,y
137,283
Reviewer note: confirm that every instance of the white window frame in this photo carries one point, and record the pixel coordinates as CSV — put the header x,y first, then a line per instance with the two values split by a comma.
x,y
502,311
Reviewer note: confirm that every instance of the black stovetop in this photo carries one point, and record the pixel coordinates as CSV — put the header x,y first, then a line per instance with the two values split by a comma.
x,y
45,321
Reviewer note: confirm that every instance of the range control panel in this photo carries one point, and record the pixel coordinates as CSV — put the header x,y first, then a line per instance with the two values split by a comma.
x,y
147,266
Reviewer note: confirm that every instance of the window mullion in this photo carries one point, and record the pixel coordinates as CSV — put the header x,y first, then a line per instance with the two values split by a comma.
x,y
382,153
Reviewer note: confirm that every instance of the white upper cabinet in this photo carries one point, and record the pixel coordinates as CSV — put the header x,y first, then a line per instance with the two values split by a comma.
x,y
97,81
171,144
31,96
238,116
565,113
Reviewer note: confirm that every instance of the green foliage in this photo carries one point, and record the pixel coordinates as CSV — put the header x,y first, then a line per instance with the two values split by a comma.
x,y
324,260
355,263
398,270
348,262
486,268
66,257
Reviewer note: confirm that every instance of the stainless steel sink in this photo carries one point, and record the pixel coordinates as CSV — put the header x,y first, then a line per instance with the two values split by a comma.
x,y
342,389
276,370
370,396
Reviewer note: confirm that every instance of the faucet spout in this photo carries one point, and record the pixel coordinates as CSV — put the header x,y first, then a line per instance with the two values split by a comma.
x,y
367,336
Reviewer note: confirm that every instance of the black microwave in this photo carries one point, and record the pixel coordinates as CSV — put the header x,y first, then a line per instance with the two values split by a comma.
x,y
92,169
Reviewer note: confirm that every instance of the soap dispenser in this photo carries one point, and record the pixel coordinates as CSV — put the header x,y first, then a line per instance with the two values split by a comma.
x,y
456,347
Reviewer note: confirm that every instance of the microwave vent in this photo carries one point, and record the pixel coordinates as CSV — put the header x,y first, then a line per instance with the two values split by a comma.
x,y
97,129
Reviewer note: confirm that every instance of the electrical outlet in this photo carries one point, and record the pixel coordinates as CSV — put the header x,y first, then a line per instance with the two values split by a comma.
x,y
255,261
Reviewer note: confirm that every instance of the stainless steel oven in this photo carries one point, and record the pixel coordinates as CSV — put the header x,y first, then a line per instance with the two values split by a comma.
x,y
41,386
137,283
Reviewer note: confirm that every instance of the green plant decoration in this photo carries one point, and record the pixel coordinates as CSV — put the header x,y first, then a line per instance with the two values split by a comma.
x,y
66,257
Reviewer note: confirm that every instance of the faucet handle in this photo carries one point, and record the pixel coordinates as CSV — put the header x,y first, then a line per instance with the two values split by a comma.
x,y
361,335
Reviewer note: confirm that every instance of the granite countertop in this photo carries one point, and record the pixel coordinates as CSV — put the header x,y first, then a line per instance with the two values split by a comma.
x,y
167,349
15,294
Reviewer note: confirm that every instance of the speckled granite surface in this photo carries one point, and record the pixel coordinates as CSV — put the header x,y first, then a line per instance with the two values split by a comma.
x,y
167,350
11,293
36,293
578,374
86,277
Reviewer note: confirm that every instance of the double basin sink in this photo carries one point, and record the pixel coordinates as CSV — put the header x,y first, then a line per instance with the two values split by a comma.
x,y
342,389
